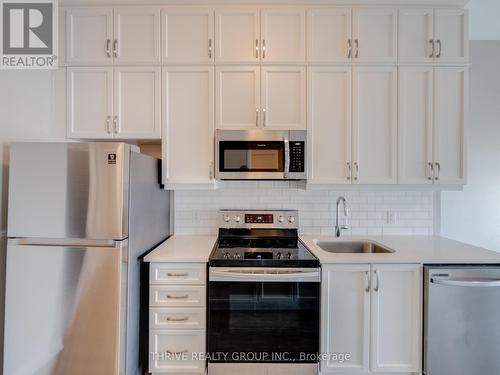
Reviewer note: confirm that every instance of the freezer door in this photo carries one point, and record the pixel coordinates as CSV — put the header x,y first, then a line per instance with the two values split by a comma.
x,y
63,309
461,323
69,190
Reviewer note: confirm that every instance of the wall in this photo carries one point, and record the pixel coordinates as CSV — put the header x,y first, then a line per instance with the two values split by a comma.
x,y
473,215
483,19
196,212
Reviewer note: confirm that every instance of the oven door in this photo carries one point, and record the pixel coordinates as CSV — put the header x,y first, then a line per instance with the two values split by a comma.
x,y
263,315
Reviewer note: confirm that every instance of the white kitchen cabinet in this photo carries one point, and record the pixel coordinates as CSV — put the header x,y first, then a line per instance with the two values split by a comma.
x,y
345,317
89,36
451,97
90,102
415,136
283,34
416,35
329,35
329,111
375,35
137,35
187,35
452,35
237,35
137,106
375,125
283,97
396,318
372,312
237,97
188,127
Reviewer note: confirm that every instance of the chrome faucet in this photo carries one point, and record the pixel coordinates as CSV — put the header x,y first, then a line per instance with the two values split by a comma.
x,y
338,227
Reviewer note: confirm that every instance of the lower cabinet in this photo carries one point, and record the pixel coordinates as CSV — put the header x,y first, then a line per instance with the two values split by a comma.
x,y
371,318
177,318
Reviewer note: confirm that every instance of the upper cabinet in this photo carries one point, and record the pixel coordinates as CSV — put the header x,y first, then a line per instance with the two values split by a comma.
x,y
428,35
187,35
103,36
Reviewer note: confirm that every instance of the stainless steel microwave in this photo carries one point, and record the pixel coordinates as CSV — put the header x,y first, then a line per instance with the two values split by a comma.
x,y
260,154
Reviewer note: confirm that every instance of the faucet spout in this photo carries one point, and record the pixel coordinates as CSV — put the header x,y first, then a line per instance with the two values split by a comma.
x,y
339,227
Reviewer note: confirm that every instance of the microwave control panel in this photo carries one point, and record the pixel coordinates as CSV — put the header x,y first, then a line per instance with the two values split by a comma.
x,y
297,157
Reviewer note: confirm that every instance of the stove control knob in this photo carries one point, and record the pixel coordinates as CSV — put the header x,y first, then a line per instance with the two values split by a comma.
x,y
226,255
237,219
290,256
281,218
237,256
291,219
279,255
227,218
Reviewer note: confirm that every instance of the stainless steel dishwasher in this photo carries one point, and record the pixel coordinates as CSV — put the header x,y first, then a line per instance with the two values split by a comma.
x,y
462,320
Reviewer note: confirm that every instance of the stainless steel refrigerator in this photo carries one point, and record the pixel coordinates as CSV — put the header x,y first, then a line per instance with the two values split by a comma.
x,y
80,216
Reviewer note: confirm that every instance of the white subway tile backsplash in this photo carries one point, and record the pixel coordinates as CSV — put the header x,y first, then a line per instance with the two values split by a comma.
x,y
196,212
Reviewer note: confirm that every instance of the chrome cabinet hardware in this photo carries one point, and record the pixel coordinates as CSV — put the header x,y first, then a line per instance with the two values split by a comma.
x,y
211,171
367,282
433,44
438,55
349,171
438,171
115,48
108,51
115,125
349,48
169,296
377,285
210,48
263,48
184,274
257,118
356,53
264,119
256,48
108,124
431,176
356,167
185,319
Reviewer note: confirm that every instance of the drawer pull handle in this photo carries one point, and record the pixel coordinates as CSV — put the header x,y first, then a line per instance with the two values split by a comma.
x,y
177,274
169,319
177,297
177,353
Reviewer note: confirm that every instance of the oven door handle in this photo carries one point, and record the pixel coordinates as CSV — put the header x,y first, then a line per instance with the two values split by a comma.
x,y
286,168
261,274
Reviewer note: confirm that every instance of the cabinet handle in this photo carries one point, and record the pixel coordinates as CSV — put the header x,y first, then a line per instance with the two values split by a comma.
x,y
210,48
115,47
211,171
263,48
367,281
185,319
356,166
256,48
108,52
356,54
184,274
169,296
257,118
349,171
108,123
349,48
115,125
376,288
438,55
431,177
438,169
433,44
264,118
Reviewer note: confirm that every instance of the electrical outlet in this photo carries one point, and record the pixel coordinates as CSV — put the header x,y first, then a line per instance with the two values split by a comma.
x,y
390,217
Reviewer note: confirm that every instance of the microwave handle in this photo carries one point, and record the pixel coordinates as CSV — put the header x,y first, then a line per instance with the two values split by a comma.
x,y
286,169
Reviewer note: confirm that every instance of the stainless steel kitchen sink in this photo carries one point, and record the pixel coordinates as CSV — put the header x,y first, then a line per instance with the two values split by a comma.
x,y
354,247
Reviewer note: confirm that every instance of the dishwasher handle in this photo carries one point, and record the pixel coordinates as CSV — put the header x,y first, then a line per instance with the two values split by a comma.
x,y
467,282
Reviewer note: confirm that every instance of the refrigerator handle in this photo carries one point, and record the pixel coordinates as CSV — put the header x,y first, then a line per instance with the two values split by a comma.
x,y
65,242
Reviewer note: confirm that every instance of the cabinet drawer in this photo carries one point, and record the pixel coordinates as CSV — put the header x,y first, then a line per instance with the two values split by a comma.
x,y
176,351
181,296
177,317
182,273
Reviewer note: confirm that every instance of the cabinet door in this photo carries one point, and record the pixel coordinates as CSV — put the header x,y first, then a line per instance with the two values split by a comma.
x,y
396,318
329,35
89,36
188,127
375,35
329,124
416,34
283,97
237,34
452,32
283,33
238,97
137,94
137,35
90,102
450,114
187,35
374,125
345,317
416,89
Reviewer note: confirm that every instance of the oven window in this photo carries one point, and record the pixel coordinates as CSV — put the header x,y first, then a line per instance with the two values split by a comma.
x,y
277,318
237,156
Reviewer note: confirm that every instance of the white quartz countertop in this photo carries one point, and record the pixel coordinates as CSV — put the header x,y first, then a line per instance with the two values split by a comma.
x,y
183,248
407,249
